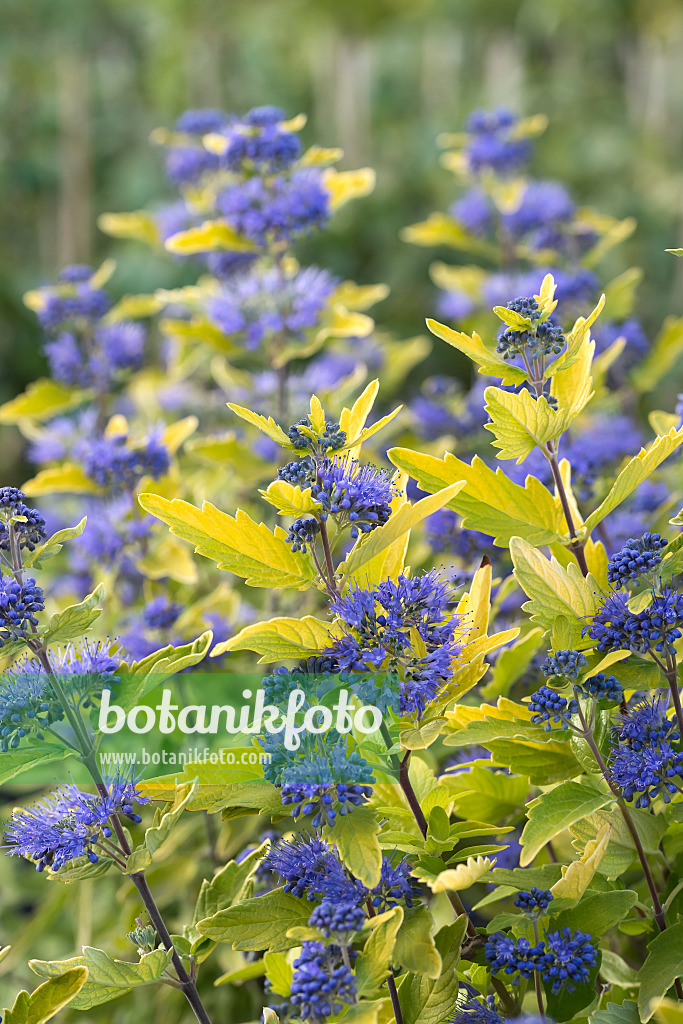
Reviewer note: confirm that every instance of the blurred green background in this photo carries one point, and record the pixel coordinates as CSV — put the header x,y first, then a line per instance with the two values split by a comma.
x,y
82,83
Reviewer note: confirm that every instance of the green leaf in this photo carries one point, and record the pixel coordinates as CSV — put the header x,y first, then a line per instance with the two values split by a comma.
x,y
159,832
520,422
75,620
107,979
661,968
140,677
239,545
227,885
68,478
666,1011
554,811
554,590
620,294
258,923
542,876
17,762
290,500
255,969
617,1013
282,638
597,913
355,836
415,948
661,358
633,474
42,400
426,1000
279,973
488,502
615,970
621,851
373,963
400,522
47,1000
53,545
512,663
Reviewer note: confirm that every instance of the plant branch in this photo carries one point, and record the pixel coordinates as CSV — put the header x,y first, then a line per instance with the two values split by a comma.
x,y
391,984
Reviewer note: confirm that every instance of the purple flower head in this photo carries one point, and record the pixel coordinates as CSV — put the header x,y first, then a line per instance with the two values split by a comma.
x,y
26,523
637,342
568,959
111,463
647,773
322,984
19,604
646,724
338,919
121,344
636,558
258,142
474,212
543,204
161,612
277,211
492,145
186,165
517,957
201,122
476,1011
550,708
67,825
656,627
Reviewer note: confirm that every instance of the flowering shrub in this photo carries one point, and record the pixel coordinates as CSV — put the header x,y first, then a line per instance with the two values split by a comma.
x,y
506,843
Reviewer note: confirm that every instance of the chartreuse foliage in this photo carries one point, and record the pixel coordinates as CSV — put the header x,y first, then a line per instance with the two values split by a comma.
x,y
508,844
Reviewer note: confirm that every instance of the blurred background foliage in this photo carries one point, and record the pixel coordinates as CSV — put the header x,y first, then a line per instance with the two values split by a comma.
x,y
83,82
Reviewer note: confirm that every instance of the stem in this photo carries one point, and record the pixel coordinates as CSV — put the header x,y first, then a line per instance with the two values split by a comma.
x,y
672,677
328,559
391,984
506,1000
576,544
537,980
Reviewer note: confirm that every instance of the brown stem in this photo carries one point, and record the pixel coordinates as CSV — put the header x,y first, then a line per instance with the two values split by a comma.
x,y
328,558
537,980
577,546
672,677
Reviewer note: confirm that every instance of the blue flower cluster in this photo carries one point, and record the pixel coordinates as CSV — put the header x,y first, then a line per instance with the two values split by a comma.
x,y
544,339
564,664
636,558
564,959
476,1011
331,439
84,349
551,708
338,919
67,825
535,902
322,983
312,868
357,496
644,763
277,210
114,464
19,604
26,706
601,687
656,627
28,524
260,142
492,143
260,305
379,640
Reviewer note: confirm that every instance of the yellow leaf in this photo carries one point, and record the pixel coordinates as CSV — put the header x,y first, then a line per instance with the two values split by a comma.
x,y
463,876
577,876
282,638
211,236
662,358
41,400
265,424
68,478
169,557
554,590
317,156
346,185
489,502
520,422
404,519
316,417
489,362
133,307
238,544
440,229
638,469
359,296
290,500
138,224
177,433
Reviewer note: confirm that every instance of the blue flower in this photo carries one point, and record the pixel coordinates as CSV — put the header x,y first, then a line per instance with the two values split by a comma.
x,y
278,211
549,707
258,142
202,121
256,306
29,528
492,144
311,868
646,773
637,557
161,612
330,440
543,339
646,723
474,212
357,496
186,165
605,442
396,885
631,330
518,957
19,603
476,1011
67,825
601,687
338,919
382,620
535,902
112,463
27,705
565,664
616,627
544,206
568,959
322,984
